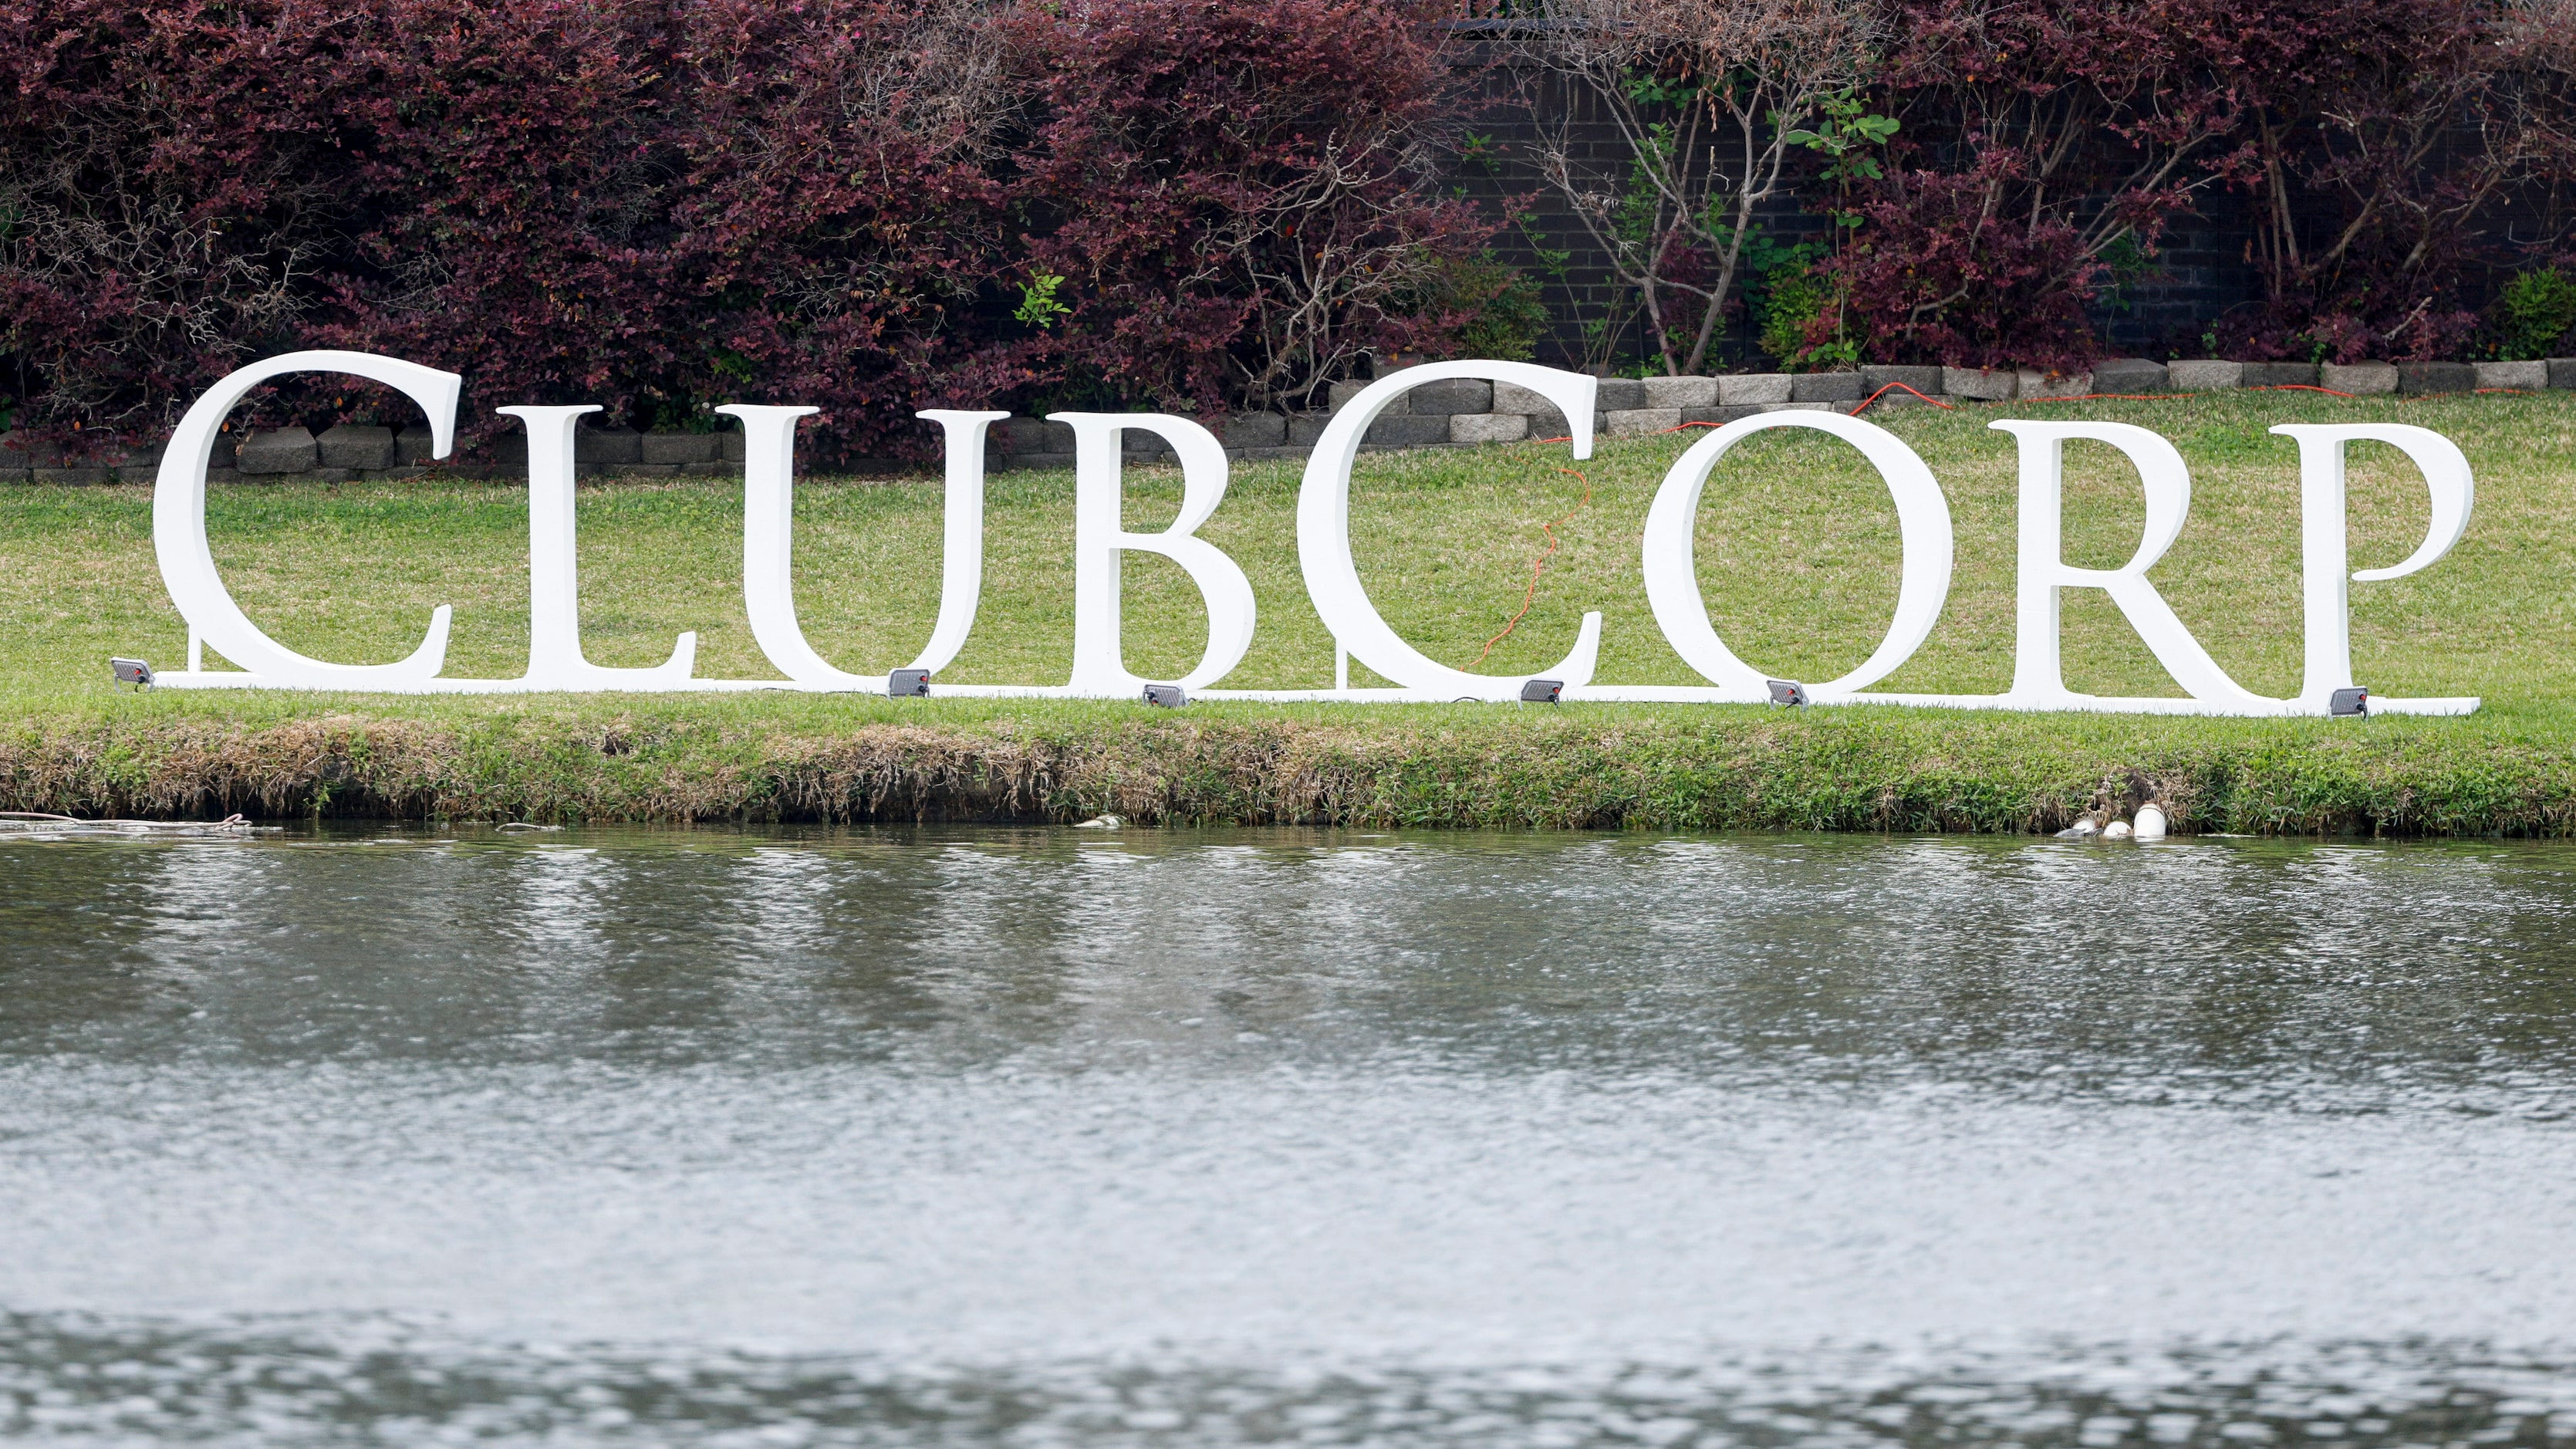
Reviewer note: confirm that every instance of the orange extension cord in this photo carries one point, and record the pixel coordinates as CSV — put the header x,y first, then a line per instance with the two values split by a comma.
x,y
1538,565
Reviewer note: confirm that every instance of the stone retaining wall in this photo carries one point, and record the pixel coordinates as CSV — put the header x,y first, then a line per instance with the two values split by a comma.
x,y
1452,413
2361,379
1460,413
354,451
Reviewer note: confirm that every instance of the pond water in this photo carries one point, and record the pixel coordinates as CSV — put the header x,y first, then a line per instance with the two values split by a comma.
x,y
959,1137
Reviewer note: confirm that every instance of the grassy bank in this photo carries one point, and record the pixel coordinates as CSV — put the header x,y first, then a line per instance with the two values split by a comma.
x,y
1797,549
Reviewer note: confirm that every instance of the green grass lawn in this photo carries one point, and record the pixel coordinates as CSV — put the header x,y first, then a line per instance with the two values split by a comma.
x,y
1797,549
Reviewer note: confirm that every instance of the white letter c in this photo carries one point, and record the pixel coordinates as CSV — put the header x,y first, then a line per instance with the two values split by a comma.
x,y
188,564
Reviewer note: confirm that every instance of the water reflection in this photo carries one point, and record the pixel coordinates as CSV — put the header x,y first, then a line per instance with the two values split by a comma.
x,y
2249,967
1005,1137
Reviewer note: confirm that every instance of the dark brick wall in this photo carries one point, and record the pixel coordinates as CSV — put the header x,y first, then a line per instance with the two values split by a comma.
x,y
1503,165
2203,269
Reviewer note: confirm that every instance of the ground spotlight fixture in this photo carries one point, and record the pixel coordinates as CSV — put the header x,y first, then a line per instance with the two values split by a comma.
x,y
1169,696
2349,701
132,671
908,684
1788,691
1542,691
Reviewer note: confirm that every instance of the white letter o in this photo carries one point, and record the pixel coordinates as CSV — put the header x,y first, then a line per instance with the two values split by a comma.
x,y
1672,578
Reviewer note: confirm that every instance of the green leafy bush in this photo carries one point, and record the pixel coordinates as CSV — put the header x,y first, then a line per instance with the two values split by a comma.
x,y
1493,307
2533,313
1793,308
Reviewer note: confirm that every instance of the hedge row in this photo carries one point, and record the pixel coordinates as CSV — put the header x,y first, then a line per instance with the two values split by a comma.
x,y
659,205
1198,205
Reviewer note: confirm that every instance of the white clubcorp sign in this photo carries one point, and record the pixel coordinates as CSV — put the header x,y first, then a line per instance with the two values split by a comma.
x,y
555,660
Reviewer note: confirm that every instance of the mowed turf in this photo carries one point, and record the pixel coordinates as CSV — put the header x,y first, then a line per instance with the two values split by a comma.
x,y
1797,550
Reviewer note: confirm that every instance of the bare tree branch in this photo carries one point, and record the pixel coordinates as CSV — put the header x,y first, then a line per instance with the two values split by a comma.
x,y
1678,79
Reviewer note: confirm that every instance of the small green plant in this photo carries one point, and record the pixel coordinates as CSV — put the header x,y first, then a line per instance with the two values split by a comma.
x,y
2533,313
1604,334
2124,263
1793,297
1038,304
1509,325
1786,294
1505,318
1551,260
1846,137
1849,137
